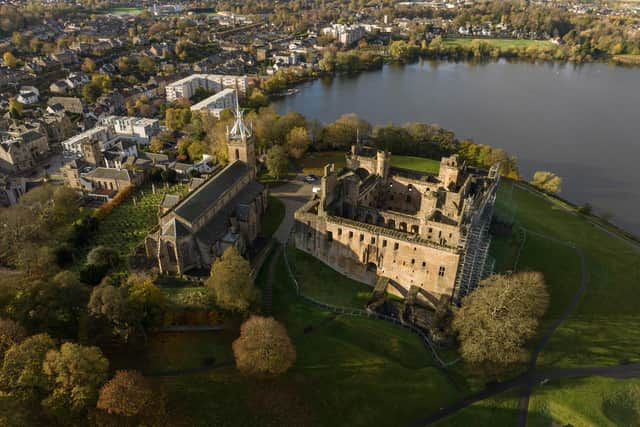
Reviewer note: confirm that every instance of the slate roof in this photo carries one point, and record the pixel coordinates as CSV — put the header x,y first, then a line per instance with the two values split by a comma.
x,y
217,226
106,173
205,195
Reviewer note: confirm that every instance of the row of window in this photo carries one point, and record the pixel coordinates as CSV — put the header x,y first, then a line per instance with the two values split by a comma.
x,y
396,246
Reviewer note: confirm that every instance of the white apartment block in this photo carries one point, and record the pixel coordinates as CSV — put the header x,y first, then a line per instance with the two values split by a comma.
x,y
110,129
345,34
215,104
140,129
186,88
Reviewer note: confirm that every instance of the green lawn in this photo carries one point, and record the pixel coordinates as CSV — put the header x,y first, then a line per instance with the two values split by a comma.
x,y
314,163
419,164
319,281
577,402
349,371
499,43
605,328
500,410
172,351
126,10
273,217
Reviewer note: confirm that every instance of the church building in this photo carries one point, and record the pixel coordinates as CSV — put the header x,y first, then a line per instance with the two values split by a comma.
x,y
223,211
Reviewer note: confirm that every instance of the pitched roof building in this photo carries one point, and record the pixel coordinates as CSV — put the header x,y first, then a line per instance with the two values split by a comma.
x,y
224,210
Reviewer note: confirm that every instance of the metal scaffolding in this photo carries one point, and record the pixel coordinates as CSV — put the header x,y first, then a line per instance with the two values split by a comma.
x,y
475,263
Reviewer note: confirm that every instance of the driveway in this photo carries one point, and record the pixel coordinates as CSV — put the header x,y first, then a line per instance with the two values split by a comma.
x,y
293,194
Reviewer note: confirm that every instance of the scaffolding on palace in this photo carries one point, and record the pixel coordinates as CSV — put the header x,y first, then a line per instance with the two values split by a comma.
x,y
475,263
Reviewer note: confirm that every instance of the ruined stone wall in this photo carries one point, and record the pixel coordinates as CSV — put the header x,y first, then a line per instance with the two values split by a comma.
x,y
363,253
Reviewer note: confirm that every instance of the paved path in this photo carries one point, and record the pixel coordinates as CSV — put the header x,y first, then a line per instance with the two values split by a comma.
x,y
268,291
293,194
620,372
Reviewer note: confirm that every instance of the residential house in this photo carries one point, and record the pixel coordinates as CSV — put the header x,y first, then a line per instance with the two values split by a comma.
x,y
70,104
59,87
21,151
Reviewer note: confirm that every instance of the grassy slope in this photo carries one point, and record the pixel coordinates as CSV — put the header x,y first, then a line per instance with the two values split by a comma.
x,y
349,371
322,283
577,402
605,328
273,217
496,411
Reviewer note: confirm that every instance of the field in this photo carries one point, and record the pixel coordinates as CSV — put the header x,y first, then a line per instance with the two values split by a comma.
x,y
605,328
502,44
314,163
349,371
126,11
273,217
578,402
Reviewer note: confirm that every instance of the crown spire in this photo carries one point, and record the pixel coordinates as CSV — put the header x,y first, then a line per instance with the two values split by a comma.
x,y
239,129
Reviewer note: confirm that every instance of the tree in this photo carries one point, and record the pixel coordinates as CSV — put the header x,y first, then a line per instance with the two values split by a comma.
x,y
547,181
231,282
298,142
497,319
54,305
130,394
21,373
76,374
258,99
146,300
146,65
108,304
11,333
9,59
277,161
195,150
156,144
264,348
88,65
103,256
91,92
15,108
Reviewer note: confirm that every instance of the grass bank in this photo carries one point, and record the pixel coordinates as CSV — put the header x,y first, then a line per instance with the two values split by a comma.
x,y
502,44
578,402
349,371
605,327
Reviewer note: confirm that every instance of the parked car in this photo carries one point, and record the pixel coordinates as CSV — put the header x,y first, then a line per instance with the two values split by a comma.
x,y
310,179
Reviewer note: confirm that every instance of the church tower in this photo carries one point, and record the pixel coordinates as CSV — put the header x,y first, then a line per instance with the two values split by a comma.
x,y
240,142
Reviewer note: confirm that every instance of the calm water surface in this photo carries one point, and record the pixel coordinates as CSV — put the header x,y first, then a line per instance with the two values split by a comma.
x,y
581,122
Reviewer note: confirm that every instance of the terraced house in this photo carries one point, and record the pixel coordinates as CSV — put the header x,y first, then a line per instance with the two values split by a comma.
x,y
402,230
